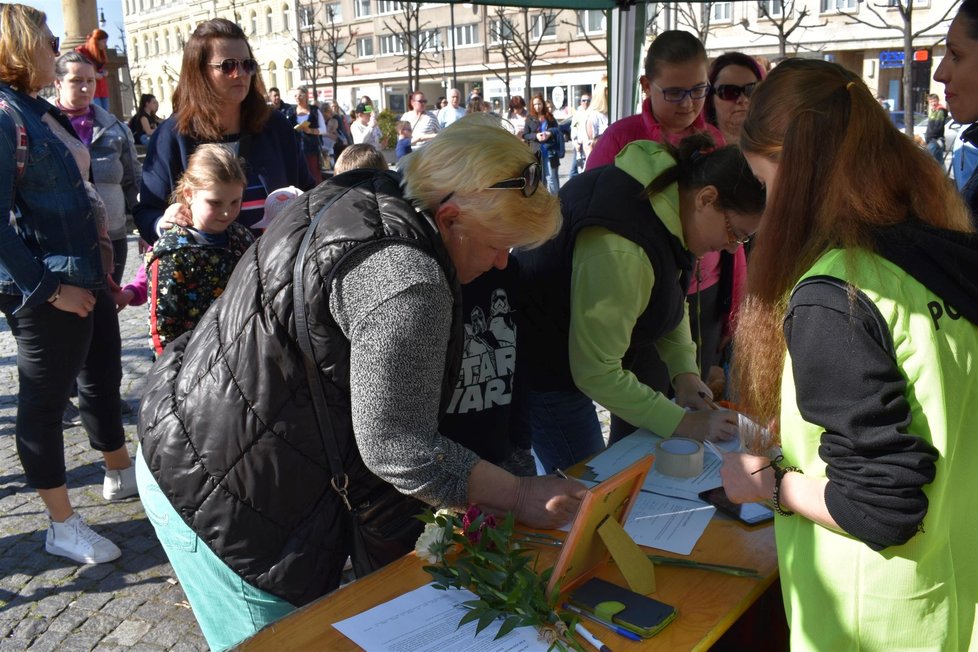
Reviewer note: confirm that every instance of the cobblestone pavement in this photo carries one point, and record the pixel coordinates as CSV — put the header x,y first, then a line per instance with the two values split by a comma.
x,y
50,603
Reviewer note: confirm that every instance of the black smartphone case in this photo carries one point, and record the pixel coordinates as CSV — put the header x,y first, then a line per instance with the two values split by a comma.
x,y
635,612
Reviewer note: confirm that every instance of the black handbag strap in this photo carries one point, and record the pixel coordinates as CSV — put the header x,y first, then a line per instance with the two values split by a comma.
x,y
340,481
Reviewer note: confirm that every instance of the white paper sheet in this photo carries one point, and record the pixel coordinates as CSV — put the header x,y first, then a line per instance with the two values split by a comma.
x,y
667,523
425,620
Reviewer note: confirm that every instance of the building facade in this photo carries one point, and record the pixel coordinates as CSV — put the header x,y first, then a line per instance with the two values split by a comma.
x,y
472,47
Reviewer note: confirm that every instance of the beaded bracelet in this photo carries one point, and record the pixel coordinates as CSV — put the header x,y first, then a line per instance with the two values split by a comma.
x,y
779,473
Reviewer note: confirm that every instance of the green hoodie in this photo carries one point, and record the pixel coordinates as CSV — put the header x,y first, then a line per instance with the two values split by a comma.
x,y
611,282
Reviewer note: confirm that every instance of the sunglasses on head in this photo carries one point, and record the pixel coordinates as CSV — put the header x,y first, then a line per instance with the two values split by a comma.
x,y
244,66
527,182
55,42
732,92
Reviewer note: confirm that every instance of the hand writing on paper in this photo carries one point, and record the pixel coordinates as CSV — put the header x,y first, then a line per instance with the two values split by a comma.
x,y
547,501
692,392
741,482
714,425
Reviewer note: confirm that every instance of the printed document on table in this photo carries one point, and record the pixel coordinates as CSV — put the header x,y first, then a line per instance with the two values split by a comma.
x,y
643,442
664,522
426,620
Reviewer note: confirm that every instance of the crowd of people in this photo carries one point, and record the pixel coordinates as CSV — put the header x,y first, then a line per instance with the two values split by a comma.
x,y
335,353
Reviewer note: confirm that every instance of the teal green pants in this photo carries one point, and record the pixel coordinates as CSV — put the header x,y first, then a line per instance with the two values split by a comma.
x,y
227,608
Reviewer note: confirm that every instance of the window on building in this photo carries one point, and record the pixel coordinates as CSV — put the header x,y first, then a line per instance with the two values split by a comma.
x,y
365,47
307,17
156,43
429,40
269,24
389,6
361,8
253,22
286,18
289,71
544,26
271,72
466,35
774,8
391,44
500,31
146,46
839,5
334,13
720,12
591,21
166,40
309,53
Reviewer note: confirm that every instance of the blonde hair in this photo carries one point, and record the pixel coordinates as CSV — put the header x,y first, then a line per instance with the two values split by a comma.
x,y
599,95
21,37
470,155
359,156
207,167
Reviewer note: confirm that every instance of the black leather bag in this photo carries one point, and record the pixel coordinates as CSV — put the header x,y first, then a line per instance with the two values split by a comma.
x,y
381,526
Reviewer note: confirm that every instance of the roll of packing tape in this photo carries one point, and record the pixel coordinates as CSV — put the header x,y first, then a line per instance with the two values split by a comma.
x,y
679,457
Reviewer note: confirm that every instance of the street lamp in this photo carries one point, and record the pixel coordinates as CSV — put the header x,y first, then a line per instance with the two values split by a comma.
x,y
101,18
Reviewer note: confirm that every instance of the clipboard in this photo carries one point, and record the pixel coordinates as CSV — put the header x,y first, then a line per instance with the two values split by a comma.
x,y
597,534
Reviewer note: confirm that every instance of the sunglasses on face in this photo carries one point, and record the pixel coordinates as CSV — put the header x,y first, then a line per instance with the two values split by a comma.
x,y
528,182
677,95
55,42
243,66
421,99
732,92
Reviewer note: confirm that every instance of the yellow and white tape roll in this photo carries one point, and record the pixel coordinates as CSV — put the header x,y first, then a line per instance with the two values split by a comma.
x,y
679,457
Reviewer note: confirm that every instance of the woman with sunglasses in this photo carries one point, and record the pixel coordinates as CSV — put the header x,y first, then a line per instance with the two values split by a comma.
x,y
612,285
52,287
733,76
234,457
220,98
858,339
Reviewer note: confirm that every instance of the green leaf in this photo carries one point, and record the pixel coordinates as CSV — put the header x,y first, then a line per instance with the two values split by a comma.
x,y
470,616
511,623
485,620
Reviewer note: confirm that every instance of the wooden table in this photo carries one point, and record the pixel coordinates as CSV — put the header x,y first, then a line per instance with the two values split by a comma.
x,y
708,603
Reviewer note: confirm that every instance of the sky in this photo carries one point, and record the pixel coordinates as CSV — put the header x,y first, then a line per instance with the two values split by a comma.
x,y
113,17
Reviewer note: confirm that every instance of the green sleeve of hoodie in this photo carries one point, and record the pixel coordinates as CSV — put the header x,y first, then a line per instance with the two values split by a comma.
x,y
611,281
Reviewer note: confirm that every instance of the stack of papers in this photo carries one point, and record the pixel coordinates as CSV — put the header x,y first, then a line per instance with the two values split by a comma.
x,y
668,514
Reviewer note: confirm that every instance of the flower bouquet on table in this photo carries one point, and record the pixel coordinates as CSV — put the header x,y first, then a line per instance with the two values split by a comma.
x,y
478,552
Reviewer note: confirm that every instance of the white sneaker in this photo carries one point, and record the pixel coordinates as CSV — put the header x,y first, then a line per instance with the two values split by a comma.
x,y
75,540
120,484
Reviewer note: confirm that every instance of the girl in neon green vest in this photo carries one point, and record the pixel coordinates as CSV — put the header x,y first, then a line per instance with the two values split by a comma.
x,y
858,340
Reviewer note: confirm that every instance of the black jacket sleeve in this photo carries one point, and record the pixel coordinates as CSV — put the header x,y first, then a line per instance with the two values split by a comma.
x,y
848,382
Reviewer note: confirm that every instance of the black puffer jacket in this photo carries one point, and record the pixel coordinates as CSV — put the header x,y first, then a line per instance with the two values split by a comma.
x,y
226,423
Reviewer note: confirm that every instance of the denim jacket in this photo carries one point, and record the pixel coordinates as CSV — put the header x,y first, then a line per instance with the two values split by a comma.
x,y
55,238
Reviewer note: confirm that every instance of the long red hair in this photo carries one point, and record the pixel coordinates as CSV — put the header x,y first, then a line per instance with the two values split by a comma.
x,y
844,171
91,49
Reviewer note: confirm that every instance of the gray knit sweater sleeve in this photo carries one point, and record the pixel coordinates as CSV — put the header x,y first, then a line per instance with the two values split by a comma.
x,y
393,303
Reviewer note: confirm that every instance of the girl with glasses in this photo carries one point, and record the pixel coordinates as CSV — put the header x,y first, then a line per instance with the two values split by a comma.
x,y
858,341
220,98
611,288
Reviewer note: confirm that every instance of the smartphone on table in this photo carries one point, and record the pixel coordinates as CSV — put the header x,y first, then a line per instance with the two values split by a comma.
x,y
749,513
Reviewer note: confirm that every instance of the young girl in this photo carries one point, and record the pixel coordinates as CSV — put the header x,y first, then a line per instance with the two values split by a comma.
x,y
542,133
189,266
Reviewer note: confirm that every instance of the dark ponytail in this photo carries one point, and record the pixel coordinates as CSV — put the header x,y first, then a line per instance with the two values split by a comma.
x,y
700,164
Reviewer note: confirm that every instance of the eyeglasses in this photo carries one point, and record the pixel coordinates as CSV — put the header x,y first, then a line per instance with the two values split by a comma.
x,y
55,42
732,92
677,95
732,235
585,100
244,66
528,182
421,99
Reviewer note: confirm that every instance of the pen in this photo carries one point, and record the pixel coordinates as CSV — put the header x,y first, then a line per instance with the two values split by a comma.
x,y
709,401
590,638
621,631
560,473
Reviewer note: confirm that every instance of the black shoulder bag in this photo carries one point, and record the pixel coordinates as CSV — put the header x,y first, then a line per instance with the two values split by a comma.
x,y
382,527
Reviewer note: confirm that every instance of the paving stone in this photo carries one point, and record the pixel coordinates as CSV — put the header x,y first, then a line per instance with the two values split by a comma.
x,y
91,601
13,645
30,628
49,641
129,632
69,620
121,607
81,642
98,623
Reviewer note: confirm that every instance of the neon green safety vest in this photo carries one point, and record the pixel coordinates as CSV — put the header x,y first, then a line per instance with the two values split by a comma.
x,y
840,594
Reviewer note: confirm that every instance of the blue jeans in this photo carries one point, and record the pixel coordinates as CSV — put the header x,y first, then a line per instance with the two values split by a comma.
x,y
227,608
551,175
564,426
102,102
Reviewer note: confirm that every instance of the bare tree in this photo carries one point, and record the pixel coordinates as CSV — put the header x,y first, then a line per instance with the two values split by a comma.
x,y
784,20
905,9
697,16
416,38
522,37
322,43
501,40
